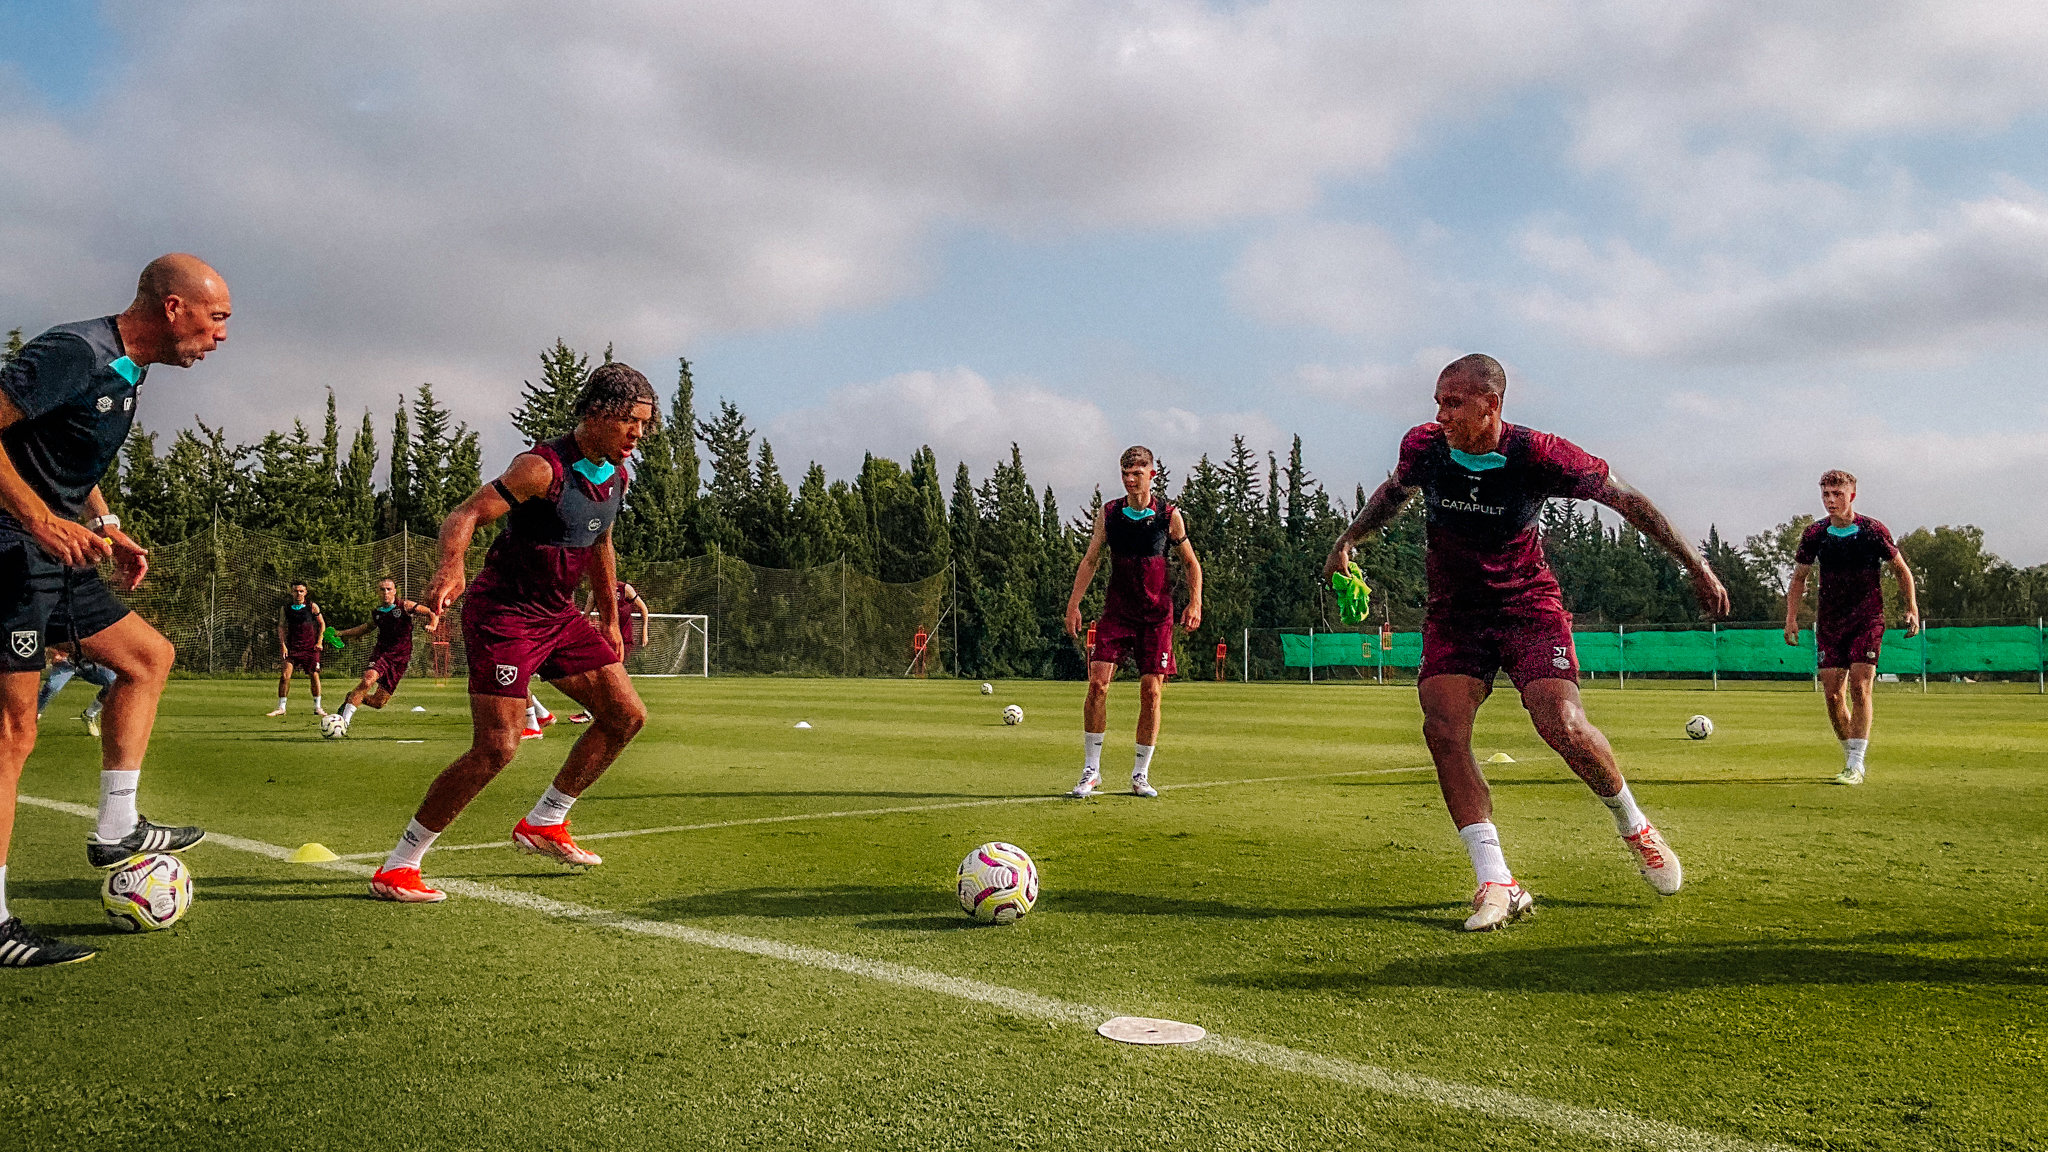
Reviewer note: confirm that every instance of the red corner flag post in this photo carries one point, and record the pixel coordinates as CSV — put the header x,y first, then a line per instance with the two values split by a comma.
x,y
1222,655
917,651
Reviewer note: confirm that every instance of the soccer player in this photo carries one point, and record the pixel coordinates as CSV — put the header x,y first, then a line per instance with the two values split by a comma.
x,y
1137,615
300,628
1852,552
537,718
392,618
559,500
62,669
1494,606
630,603
66,404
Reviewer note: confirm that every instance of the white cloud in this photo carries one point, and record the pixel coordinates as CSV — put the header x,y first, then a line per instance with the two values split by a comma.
x,y
1373,386
1981,271
1348,278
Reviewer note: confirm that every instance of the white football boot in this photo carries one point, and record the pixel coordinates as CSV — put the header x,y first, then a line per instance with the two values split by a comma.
x,y
1140,786
1849,776
1495,904
1091,779
1656,861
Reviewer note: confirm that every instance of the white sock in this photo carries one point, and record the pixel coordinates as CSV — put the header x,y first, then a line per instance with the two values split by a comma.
x,y
412,847
539,709
91,710
316,704
1855,750
1091,752
3,892
280,703
348,713
1628,819
1482,842
551,808
1142,766
117,804
532,719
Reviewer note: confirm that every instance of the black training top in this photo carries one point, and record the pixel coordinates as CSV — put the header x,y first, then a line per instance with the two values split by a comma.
x,y
75,388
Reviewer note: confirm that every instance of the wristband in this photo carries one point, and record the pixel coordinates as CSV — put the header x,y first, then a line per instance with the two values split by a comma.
x,y
99,523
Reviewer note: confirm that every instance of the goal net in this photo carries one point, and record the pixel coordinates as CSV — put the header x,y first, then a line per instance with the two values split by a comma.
x,y
675,644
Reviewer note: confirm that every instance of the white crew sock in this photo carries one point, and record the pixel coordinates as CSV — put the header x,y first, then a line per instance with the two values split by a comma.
x,y
551,808
3,892
540,710
316,705
412,847
280,703
1628,819
117,804
532,719
1482,842
1091,752
1142,766
1855,749
348,713
91,710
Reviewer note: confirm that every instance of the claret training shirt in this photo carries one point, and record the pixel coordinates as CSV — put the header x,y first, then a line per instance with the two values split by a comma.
x,y
75,388
1485,549
1851,561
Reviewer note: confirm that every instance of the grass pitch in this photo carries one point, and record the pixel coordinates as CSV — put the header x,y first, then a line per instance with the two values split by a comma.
x,y
1847,968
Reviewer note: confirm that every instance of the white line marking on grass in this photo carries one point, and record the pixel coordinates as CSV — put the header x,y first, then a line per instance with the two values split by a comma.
x,y
1612,1125
583,836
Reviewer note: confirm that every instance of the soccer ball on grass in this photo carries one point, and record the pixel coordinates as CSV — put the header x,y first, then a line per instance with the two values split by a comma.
x,y
1013,715
1699,727
332,727
146,893
988,689
998,883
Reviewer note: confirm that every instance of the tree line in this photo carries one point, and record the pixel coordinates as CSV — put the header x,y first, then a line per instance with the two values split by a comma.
x,y
701,485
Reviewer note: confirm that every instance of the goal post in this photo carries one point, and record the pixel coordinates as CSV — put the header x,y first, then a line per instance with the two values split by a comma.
x,y
678,644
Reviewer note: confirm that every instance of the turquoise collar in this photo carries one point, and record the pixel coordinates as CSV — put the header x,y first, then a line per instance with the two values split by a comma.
x,y
128,370
1851,530
1144,513
595,473
1481,463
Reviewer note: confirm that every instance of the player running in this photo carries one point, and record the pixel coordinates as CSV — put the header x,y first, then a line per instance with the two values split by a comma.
x,y
300,628
1137,615
62,669
559,500
66,404
392,618
1852,552
630,604
1494,605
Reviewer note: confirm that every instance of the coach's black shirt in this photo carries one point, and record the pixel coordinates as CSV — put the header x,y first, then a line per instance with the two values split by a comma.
x,y
75,388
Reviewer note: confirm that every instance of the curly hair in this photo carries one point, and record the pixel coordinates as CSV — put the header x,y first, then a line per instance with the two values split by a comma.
x,y
1836,478
1135,455
612,390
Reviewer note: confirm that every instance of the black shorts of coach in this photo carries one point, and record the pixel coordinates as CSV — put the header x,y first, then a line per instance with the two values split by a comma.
x,y
42,603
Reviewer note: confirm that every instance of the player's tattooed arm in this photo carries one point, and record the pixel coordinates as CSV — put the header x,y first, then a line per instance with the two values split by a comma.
x,y
528,477
1904,572
1085,575
1637,510
1177,531
71,544
1381,507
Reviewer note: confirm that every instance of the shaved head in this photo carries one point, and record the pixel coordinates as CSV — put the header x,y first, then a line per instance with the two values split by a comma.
x,y
177,274
1479,369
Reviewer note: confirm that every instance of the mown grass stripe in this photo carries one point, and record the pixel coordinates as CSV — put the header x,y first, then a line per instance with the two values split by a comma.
x,y
1612,1125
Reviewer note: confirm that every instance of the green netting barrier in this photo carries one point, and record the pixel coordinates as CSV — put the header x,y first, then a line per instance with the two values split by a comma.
x,y
1729,650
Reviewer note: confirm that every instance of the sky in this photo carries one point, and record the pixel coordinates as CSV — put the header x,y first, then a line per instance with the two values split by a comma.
x,y
1725,245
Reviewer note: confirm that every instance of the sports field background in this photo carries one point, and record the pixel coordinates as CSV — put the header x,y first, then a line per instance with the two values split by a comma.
x,y
1847,968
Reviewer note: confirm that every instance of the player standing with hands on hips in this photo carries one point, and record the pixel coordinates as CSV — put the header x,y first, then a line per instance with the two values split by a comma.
x,y
1852,552
1137,615
66,404
559,500
1494,605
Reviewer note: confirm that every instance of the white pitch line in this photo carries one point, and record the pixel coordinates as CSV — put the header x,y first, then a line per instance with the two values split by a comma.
x,y
584,836
1609,1124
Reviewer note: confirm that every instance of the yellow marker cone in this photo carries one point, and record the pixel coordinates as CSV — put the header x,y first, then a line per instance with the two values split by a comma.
x,y
311,854
1496,758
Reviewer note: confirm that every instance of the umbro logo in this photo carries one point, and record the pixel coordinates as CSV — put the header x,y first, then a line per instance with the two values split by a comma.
x,y
27,643
507,673
104,404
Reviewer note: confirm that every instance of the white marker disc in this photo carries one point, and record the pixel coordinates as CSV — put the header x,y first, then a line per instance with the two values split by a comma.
x,y
1145,1030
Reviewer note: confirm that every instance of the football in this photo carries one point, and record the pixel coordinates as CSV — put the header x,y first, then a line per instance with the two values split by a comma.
x,y
998,883
988,689
1699,727
1013,715
145,893
332,727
